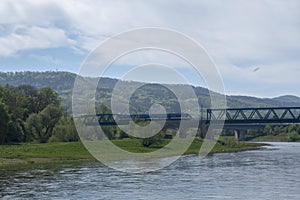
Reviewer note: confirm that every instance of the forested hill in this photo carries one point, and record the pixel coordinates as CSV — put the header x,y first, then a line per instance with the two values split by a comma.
x,y
63,82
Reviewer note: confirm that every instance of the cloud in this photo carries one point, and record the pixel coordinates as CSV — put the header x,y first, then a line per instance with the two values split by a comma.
x,y
23,38
238,35
233,30
87,22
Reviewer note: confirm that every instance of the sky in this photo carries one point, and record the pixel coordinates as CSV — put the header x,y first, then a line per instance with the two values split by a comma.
x,y
254,44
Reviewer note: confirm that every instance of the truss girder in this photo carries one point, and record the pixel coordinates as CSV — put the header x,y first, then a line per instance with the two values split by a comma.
x,y
255,115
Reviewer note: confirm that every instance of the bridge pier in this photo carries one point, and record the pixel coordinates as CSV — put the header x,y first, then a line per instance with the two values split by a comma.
x,y
183,133
240,134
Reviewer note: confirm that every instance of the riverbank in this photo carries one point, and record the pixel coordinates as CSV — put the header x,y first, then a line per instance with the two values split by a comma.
x,y
61,152
284,137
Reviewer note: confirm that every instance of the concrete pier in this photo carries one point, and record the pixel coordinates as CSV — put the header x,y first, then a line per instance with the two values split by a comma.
x,y
240,134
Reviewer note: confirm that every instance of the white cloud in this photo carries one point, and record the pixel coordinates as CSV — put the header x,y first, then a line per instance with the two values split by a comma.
x,y
237,34
241,29
32,37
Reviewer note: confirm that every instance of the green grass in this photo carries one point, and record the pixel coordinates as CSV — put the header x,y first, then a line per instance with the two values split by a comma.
x,y
226,138
51,151
229,146
134,145
75,151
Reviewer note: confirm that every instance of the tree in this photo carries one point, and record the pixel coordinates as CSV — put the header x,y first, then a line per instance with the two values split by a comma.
x,y
34,128
32,94
293,136
15,131
40,126
46,97
278,130
18,103
64,130
4,119
268,129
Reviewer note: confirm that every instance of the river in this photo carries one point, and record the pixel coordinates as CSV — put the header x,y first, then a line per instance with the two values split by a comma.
x,y
269,173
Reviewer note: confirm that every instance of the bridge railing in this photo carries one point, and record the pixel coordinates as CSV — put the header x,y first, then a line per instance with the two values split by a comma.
x,y
255,115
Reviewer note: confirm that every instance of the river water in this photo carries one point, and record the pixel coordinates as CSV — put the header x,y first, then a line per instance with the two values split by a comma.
x,y
269,173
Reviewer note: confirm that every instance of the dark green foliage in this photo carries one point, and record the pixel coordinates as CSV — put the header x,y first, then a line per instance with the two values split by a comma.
x,y
268,130
15,131
47,96
40,126
59,81
278,129
290,133
33,97
65,130
293,136
4,119
18,104
28,114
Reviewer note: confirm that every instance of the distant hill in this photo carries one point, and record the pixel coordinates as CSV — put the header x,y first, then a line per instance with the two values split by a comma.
x,y
63,82
288,99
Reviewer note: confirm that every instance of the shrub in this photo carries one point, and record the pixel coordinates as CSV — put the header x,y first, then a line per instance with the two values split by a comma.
x,y
293,136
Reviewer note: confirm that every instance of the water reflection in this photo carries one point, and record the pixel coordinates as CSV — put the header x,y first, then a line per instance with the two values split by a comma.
x,y
271,173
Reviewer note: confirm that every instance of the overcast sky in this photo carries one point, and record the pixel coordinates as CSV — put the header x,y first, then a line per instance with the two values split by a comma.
x,y
255,44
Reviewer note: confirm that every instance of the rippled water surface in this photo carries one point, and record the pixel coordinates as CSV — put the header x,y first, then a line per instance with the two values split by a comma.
x,y
270,173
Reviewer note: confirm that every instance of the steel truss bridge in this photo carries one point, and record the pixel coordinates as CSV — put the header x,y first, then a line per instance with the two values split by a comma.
x,y
118,119
238,119
274,115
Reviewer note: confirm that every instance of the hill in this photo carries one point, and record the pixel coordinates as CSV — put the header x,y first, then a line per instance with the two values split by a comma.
x,y
63,82
288,99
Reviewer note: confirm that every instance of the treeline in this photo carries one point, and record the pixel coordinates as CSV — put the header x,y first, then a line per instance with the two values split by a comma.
x,y
62,82
290,133
28,114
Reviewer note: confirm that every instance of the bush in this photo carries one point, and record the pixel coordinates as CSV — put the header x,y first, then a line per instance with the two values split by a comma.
x,y
156,139
293,136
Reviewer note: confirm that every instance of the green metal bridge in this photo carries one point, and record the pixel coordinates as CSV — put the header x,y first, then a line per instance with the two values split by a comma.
x,y
274,115
118,119
237,119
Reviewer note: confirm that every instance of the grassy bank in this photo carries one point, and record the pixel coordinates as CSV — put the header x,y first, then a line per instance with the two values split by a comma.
x,y
274,138
75,151
43,153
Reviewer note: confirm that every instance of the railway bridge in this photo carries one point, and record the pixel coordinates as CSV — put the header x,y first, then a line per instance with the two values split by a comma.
x,y
238,119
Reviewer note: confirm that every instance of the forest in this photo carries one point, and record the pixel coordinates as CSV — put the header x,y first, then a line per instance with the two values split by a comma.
x,y
28,114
